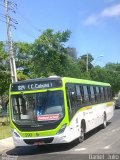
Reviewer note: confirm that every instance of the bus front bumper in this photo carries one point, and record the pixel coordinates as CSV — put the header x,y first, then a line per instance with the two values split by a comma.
x,y
57,139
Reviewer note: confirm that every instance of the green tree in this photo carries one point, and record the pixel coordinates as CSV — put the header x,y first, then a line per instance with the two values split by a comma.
x,y
113,66
113,75
4,74
71,51
104,74
83,61
49,54
23,57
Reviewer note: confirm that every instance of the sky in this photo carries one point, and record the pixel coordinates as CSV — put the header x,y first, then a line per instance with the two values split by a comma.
x,y
94,24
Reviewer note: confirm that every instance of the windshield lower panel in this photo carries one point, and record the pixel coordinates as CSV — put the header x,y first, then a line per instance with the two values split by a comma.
x,y
40,108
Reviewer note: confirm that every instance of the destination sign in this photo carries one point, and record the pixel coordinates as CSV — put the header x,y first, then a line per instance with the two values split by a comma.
x,y
36,85
48,117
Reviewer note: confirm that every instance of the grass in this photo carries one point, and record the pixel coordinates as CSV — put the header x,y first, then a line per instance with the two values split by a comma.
x,y
5,130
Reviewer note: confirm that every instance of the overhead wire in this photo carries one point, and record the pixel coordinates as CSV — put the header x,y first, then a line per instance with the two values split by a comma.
x,y
1,5
14,21
2,15
2,21
28,21
20,27
25,32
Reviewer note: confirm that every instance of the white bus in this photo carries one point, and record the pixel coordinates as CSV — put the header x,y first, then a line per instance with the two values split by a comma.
x,y
57,109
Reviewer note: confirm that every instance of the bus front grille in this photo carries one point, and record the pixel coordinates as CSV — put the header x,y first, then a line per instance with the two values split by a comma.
x,y
37,141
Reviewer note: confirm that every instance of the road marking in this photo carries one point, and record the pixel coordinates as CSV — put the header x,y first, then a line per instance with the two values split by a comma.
x,y
80,149
107,147
118,129
113,130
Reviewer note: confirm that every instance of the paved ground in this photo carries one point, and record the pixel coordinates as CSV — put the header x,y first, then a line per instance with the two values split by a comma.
x,y
6,144
103,142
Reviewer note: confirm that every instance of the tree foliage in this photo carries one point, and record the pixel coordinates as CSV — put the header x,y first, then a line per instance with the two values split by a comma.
x,y
4,75
71,51
4,72
49,55
83,61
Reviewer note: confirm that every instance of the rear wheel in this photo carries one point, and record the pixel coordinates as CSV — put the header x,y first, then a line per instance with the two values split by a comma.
x,y
104,125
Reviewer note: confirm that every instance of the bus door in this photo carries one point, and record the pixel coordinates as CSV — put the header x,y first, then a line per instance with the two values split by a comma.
x,y
71,100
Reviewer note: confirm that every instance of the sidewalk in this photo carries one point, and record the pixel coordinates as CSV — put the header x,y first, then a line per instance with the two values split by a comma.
x,y
6,144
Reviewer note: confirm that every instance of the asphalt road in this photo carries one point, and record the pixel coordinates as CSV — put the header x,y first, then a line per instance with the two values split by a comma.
x,y
103,142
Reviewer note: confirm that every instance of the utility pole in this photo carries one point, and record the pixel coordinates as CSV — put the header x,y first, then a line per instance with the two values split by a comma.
x,y
10,43
87,62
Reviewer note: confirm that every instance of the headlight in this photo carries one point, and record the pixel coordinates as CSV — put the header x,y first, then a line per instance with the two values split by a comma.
x,y
62,129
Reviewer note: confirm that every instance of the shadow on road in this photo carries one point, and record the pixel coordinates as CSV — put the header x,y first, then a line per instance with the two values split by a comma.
x,y
52,148
95,131
32,150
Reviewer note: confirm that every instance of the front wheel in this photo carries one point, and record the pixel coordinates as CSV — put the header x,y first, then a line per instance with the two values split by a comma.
x,y
82,135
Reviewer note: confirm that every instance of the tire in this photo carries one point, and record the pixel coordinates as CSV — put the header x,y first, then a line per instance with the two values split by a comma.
x,y
82,134
104,125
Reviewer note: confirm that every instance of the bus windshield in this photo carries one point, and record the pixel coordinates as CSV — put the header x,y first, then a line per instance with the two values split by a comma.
x,y
40,107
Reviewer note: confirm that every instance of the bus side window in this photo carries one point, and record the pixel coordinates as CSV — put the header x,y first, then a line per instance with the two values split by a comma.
x,y
94,88
98,94
79,98
109,93
92,94
89,94
102,94
106,93
86,95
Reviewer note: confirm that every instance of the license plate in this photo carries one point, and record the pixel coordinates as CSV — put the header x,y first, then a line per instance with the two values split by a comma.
x,y
39,143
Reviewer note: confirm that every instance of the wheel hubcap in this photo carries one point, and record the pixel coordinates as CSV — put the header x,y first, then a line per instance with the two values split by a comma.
x,y
81,138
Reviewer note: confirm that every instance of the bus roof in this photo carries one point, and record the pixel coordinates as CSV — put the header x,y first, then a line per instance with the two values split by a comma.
x,y
36,80
84,81
64,79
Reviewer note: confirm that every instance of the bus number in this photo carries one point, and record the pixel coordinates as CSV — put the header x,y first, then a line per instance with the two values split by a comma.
x,y
21,87
28,134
